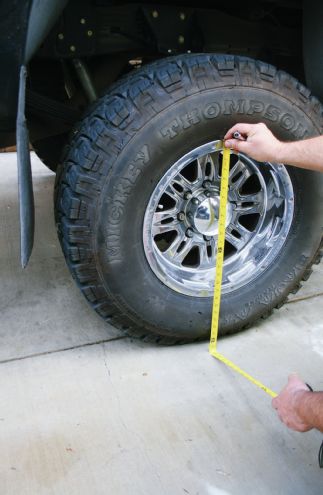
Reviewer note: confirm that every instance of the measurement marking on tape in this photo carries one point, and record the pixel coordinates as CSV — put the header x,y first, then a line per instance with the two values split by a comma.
x,y
219,275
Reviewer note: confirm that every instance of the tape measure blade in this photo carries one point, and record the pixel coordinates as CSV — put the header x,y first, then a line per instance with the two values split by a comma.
x,y
220,248
243,373
219,274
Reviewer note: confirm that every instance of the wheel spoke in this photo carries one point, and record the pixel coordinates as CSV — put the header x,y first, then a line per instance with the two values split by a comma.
x,y
238,176
177,257
248,209
237,235
215,165
160,216
165,221
213,244
252,198
201,166
182,182
248,204
274,194
173,193
160,228
243,232
208,167
205,261
236,169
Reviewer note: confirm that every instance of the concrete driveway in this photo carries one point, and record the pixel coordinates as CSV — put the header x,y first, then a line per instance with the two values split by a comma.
x,y
84,410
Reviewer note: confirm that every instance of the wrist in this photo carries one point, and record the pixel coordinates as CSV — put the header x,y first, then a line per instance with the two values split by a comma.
x,y
280,152
299,404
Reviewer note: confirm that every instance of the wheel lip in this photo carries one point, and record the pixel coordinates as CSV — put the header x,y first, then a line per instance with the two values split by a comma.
x,y
193,286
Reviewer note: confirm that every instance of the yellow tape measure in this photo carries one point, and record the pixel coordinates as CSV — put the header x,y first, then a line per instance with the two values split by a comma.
x,y
218,277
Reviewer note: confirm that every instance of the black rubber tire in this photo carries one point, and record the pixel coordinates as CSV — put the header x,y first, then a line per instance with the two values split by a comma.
x,y
124,146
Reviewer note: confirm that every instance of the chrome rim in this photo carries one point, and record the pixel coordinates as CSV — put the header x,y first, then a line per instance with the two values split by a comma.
x,y
181,221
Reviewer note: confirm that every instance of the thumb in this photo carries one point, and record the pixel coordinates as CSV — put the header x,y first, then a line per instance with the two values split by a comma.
x,y
293,377
236,144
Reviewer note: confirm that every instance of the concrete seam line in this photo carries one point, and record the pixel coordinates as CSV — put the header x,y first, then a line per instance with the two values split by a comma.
x,y
64,349
304,298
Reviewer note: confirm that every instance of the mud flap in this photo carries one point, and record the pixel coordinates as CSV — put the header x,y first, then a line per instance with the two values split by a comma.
x,y
25,186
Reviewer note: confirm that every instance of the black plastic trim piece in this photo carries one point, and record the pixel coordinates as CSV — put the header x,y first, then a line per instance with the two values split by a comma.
x,y
25,185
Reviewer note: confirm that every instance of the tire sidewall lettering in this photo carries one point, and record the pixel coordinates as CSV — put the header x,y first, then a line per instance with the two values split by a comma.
x,y
250,108
122,190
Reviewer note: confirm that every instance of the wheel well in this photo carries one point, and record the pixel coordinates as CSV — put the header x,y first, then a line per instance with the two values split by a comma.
x,y
110,39
313,46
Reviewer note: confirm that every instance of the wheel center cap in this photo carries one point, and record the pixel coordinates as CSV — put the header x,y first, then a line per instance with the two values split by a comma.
x,y
206,216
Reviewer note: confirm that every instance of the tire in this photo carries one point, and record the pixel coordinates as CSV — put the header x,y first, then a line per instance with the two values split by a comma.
x,y
122,152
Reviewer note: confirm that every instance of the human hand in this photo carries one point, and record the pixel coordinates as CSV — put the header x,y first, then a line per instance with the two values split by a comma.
x,y
288,401
259,142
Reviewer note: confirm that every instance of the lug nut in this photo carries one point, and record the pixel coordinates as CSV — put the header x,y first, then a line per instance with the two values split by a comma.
x,y
207,194
189,233
195,201
188,195
181,216
207,183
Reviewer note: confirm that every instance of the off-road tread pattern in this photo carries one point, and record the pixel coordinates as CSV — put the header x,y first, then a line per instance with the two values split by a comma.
x,y
110,124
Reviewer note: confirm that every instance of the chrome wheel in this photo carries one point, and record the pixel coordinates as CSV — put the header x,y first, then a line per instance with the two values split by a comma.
x,y
181,221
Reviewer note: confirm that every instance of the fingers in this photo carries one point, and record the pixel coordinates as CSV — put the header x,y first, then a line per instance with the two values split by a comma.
x,y
286,402
295,382
242,128
293,376
236,145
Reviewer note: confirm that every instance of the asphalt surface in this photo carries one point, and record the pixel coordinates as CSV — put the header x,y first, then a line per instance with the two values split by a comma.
x,y
84,410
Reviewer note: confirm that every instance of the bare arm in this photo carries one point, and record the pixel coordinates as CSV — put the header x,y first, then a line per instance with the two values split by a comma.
x,y
298,408
262,145
310,409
